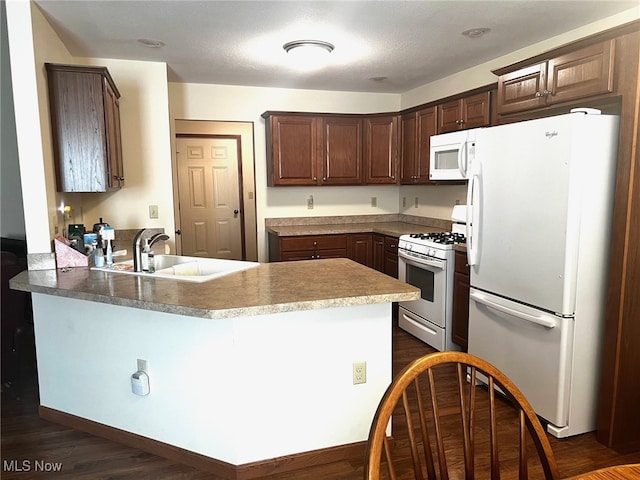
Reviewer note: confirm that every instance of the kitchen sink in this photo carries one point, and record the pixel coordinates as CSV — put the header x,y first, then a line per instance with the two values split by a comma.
x,y
189,269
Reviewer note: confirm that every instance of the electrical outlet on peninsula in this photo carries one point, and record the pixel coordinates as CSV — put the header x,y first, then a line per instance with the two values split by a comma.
x,y
359,372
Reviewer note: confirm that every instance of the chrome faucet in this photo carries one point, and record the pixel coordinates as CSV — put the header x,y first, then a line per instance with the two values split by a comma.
x,y
137,251
137,247
157,237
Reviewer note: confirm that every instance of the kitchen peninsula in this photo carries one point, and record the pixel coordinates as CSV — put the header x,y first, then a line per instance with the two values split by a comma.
x,y
244,370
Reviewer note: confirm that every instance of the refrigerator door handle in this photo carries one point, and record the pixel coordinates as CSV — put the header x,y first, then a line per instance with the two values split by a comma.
x,y
478,297
473,224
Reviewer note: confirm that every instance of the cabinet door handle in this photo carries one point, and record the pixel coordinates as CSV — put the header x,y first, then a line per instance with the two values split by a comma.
x,y
538,94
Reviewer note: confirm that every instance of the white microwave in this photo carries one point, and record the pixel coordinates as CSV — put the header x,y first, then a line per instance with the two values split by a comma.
x,y
451,155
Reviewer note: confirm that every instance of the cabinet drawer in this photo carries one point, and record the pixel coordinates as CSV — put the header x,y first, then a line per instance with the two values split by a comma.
x,y
331,253
313,242
297,255
461,263
391,244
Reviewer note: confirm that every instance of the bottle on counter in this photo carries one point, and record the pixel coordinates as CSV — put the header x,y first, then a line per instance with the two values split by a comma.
x,y
98,256
151,261
145,255
109,254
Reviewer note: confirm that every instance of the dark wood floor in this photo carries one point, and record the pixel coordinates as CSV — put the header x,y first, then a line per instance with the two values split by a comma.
x,y
27,439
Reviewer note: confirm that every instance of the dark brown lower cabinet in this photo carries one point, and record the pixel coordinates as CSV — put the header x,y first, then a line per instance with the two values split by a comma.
x,y
460,323
360,248
376,251
306,247
391,256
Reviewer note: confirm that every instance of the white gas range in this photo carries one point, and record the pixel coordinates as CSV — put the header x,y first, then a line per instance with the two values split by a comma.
x,y
426,260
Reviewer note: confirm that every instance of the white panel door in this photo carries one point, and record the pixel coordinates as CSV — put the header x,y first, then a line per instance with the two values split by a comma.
x,y
210,203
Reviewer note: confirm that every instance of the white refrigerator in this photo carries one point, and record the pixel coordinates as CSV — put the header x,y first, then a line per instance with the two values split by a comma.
x,y
541,196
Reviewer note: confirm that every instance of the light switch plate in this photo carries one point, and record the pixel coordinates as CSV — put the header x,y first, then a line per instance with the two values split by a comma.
x,y
153,211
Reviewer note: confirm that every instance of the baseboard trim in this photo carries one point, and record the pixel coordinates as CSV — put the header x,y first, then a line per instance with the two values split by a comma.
x,y
349,452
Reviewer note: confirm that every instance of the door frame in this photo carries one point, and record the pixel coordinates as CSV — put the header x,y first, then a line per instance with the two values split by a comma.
x,y
246,174
238,140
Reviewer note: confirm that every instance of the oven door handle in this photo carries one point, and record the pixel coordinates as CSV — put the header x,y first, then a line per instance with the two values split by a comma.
x,y
421,261
419,325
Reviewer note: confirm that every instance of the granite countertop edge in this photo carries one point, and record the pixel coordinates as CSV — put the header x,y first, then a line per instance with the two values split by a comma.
x,y
322,284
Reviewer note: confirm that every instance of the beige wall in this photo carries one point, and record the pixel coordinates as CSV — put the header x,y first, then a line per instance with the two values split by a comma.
x,y
481,74
145,140
149,108
31,40
146,151
246,104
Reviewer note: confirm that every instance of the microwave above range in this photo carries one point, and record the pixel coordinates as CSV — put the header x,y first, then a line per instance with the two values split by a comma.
x,y
451,155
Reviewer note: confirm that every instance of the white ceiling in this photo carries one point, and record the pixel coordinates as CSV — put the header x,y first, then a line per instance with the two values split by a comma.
x,y
380,46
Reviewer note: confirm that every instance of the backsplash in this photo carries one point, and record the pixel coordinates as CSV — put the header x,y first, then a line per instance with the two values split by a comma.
x,y
345,219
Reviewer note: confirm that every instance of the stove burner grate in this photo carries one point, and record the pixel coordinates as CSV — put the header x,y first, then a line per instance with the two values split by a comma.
x,y
447,238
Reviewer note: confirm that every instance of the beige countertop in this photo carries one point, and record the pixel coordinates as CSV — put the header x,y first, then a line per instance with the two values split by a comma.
x,y
394,229
268,288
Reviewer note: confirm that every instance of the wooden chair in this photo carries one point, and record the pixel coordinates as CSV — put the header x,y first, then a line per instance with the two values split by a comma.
x,y
447,424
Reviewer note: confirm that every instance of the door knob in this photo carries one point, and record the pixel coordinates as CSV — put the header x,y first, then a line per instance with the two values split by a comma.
x,y
235,213
178,232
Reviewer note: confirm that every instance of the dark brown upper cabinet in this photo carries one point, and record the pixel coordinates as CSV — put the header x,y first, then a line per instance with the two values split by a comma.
x,y
342,151
416,129
381,149
292,147
467,112
574,75
85,123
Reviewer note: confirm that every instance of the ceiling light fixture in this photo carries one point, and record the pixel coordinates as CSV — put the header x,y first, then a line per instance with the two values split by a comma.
x,y
151,43
320,45
476,32
308,55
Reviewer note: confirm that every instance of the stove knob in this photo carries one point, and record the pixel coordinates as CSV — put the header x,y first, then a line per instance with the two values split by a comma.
x,y
431,252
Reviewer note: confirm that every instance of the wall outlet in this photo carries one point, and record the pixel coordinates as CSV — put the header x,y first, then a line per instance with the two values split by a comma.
x,y
404,202
415,203
374,201
359,372
153,211
310,202
143,366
